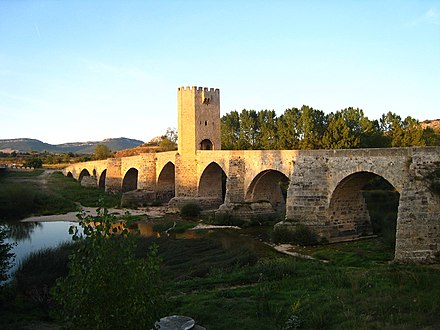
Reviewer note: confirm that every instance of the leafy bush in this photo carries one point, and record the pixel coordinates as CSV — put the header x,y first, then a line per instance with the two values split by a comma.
x,y
281,234
34,162
190,210
225,219
108,287
302,235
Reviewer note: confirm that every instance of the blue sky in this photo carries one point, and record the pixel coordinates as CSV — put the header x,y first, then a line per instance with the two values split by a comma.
x,y
89,70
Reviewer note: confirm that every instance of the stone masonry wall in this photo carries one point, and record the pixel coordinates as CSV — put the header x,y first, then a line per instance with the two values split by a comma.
x,y
418,223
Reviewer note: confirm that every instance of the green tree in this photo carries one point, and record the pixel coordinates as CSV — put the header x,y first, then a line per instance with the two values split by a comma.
x,y
338,134
400,133
171,134
267,122
412,133
34,162
230,130
431,137
289,129
313,125
108,287
249,130
167,145
169,140
101,152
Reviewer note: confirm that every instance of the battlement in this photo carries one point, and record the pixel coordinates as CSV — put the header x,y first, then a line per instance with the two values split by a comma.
x,y
198,89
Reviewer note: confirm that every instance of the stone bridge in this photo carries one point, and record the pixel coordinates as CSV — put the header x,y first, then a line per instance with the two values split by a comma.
x,y
322,189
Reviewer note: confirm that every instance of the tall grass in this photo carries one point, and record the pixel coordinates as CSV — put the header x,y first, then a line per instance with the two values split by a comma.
x,y
38,272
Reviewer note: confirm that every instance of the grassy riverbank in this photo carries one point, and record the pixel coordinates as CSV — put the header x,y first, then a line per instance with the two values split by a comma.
x,y
238,287
40,192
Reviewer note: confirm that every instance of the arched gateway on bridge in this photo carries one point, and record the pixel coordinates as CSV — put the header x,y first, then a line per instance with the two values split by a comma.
x,y
322,189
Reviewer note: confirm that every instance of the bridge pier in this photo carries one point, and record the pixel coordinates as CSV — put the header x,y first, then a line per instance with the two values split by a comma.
x,y
113,180
418,222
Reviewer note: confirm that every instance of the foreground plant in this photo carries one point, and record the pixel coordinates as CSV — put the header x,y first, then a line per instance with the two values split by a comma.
x,y
108,287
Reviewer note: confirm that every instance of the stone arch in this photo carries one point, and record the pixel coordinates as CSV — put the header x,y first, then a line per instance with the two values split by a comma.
x,y
83,173
347,210
130,180
212,183
270,186
69,175
361,168
94,172
102,178
206,144
165,186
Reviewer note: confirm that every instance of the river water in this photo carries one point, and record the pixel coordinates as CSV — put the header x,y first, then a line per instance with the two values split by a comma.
x,y
29,237
33,236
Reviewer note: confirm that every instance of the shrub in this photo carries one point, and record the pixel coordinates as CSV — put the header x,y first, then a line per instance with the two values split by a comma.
x,y
190,210
281,234
226,219
302,235
108,287
34,162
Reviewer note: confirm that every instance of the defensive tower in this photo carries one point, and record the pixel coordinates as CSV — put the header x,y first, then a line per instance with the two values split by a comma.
x,y
198,119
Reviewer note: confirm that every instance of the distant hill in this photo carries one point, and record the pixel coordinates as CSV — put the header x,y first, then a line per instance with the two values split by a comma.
x,y
83,148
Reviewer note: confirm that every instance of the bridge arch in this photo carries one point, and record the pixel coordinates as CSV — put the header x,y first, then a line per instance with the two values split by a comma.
x,y
84,172
348,210
166,182
212,182
102,177
69,174
385,173
271,186
130,180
